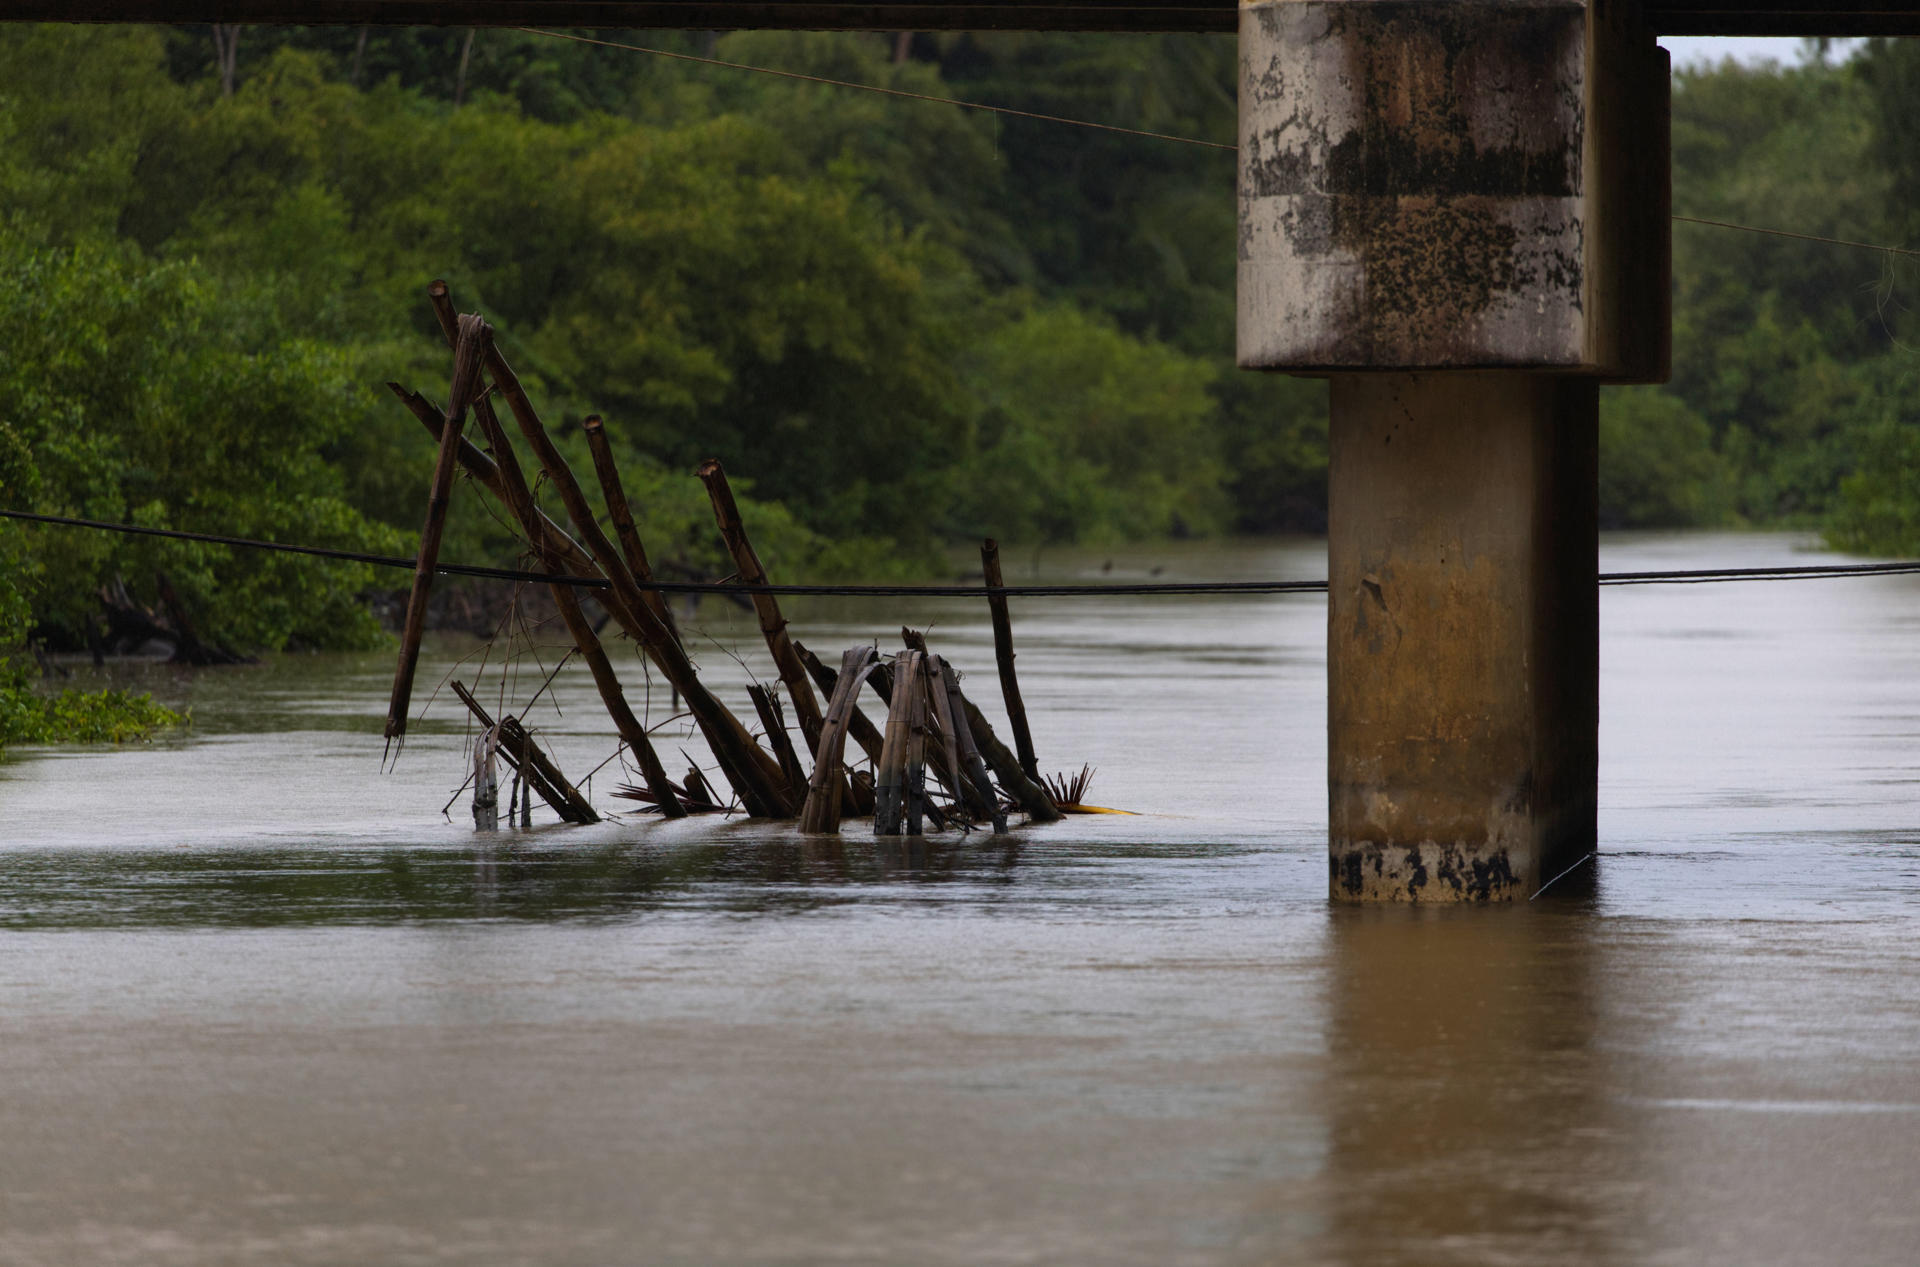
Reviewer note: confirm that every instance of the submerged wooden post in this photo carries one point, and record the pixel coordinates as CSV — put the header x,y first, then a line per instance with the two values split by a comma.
x,y
1003,657
914,782
467,358
486,782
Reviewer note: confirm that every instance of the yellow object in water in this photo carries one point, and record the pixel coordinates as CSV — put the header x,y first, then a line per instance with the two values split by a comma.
x,y
1093,809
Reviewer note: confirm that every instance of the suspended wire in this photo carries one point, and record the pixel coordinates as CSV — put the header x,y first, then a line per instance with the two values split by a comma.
x,y
1103,127
888,92
1689,576
1801,237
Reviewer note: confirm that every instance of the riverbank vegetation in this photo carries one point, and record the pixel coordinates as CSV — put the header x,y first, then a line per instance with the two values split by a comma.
x,y
899,323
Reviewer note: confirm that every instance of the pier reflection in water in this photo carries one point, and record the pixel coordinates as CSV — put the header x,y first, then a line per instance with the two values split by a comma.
x,y
259,1002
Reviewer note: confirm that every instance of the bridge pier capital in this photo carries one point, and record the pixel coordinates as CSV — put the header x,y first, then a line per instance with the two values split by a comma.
x,y
1458,211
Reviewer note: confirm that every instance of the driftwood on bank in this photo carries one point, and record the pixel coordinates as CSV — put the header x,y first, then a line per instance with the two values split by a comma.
x,y
1003,657
822,810
469,344
519,750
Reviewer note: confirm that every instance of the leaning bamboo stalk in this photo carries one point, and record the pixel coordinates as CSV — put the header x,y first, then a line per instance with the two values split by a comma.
x,y
755,776
620,511
773,626
519,499
822,811
767,705
580,629
468,354
552,539
534,766
1003,656
1026,793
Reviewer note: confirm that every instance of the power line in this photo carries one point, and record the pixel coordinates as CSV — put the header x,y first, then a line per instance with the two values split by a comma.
x,y
1802,237
1144,589
887,92
1104,127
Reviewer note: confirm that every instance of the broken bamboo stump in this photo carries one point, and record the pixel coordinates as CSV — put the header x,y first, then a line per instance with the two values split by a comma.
x,y
890,782
469,353
912,683
984,798
860,728
532,764
1026,793
1003,657
824,794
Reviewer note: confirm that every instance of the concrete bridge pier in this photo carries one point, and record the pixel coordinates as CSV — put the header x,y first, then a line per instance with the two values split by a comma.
x,y
1456,210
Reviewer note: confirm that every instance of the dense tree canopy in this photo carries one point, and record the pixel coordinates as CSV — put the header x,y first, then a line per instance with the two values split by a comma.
x,y
899,323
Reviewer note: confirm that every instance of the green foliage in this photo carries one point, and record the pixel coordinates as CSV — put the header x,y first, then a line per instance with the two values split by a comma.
x,y
79,716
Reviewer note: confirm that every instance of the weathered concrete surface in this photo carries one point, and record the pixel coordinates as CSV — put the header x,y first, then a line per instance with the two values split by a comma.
x,y
1462,634
1453,184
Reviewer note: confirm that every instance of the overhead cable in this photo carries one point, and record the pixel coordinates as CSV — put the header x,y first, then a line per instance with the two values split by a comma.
x,y
1102,589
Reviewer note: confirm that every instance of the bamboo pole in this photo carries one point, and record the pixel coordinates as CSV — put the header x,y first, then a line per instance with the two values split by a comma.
x,y
755,775
620,511
822,811
1003,656
733,530
469,352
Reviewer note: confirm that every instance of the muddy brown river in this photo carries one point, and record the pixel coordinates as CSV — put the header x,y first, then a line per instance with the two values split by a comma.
x,y
262,1003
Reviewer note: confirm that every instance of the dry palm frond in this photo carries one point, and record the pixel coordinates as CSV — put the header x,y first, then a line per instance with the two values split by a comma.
x,y
1068,790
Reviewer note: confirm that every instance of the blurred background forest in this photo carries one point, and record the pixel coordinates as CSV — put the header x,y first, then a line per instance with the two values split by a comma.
x,y
899,323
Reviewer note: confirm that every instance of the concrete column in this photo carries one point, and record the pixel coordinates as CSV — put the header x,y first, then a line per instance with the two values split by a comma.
x,y
1462,633
1456,210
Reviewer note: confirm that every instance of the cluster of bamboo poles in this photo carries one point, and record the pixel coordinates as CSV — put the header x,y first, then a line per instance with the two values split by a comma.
x,y
930,722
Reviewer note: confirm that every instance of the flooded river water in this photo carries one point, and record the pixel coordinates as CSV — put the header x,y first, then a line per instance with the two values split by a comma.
x,y
261,1003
